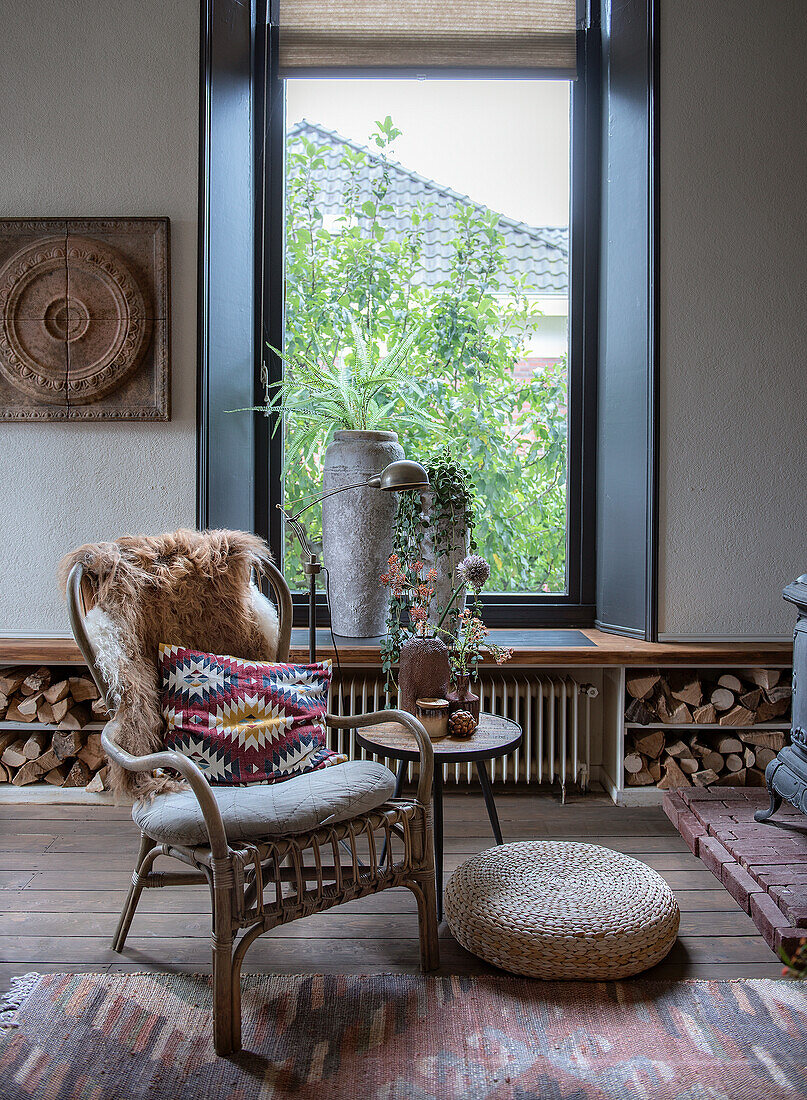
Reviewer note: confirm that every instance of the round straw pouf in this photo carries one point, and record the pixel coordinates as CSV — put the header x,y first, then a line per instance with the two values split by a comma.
x,y
551,909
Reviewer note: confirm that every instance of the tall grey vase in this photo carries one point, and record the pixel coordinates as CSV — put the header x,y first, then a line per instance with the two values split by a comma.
x,y
357,530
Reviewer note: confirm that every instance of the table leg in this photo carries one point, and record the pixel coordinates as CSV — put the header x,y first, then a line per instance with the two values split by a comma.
x,y
438,835
487,792
399,778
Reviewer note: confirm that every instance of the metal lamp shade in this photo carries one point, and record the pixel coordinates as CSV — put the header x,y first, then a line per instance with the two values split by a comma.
x,y
400,475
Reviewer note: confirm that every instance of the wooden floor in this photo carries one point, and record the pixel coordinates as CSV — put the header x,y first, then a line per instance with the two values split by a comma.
x,y
64,871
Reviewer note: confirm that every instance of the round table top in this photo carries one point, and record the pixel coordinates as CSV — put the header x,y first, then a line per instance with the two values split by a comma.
x,y
494,736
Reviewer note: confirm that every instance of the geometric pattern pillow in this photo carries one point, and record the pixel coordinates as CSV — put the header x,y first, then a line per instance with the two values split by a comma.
x,y
244,721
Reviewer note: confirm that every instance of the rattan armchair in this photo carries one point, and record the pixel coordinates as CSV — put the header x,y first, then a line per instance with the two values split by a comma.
x,y
273,879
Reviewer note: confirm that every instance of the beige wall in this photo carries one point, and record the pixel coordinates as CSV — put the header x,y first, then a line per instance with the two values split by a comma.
x,y
99,117
99,105
733,314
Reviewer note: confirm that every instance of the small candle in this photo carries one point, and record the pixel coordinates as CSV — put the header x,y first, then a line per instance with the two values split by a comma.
x,y
433,713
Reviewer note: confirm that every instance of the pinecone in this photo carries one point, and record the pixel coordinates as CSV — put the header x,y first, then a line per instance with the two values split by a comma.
x,y
461,724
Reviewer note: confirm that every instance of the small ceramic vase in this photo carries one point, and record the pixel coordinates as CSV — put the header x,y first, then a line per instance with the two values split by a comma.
x,y
460,697
433,713
423,671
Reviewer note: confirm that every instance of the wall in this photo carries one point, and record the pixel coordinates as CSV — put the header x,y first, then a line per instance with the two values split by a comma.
x,y
100,117
733,316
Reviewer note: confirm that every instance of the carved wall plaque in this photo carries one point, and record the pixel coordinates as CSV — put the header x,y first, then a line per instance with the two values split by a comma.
x,y
84,319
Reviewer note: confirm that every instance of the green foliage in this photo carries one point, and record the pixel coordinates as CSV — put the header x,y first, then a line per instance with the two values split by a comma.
x,y
361,390
451,505
465,335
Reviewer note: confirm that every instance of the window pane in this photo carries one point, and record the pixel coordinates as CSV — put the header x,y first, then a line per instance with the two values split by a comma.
x,y
442,207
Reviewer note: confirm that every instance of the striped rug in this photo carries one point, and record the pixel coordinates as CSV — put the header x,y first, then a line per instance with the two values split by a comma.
x,y
402,1037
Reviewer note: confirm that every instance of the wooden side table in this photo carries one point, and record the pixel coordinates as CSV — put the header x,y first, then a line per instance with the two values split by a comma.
x,y
493,737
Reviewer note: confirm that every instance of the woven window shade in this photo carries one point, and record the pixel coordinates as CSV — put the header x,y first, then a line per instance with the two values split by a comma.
x,y
538,35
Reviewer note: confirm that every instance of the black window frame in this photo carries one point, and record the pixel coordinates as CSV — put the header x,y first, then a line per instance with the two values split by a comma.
x,y
576,606
615,258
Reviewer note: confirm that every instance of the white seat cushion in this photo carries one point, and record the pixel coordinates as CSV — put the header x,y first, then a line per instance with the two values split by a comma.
x,y
263,810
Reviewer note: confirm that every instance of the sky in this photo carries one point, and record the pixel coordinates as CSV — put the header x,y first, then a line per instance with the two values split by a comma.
x,y
505,143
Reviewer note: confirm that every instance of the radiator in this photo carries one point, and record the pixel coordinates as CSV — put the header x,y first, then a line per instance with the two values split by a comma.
x,y
553,712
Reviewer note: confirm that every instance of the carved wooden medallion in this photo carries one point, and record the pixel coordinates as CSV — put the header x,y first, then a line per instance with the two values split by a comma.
x,y
84,319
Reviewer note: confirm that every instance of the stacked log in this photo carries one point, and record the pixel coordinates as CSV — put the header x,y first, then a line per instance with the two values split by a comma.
x,y
735,755
668,760
66,753
683,697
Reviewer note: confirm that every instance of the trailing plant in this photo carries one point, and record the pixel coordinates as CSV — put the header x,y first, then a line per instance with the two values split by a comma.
x,y
450,501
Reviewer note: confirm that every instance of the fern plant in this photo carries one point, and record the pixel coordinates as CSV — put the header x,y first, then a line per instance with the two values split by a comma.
x,y
360,392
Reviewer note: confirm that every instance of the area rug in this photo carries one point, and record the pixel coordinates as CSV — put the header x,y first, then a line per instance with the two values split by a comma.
x,y
402,1037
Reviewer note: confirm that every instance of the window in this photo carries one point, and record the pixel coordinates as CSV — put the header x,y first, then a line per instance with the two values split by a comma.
x,y
441,207
612,474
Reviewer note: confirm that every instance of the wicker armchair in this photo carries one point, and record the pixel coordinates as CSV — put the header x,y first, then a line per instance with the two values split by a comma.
x,y
287,865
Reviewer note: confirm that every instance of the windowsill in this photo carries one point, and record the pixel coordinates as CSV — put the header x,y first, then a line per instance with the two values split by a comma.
x,y
537,648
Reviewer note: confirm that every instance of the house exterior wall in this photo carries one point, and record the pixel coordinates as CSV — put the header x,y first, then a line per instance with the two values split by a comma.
x,y
100,117
733,320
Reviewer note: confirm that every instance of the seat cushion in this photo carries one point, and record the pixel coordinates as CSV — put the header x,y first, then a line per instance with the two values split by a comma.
x,y
249,813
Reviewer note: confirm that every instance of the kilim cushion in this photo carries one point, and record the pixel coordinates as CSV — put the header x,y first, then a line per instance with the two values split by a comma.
x,y
244,721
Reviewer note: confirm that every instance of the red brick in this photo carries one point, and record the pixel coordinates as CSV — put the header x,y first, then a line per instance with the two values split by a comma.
x,y
673,805
768,917
739,884
691,829
714,855
793,904
783,876
704,794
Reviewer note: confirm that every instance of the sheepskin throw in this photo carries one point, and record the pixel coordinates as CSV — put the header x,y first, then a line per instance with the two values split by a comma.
x,y
188,588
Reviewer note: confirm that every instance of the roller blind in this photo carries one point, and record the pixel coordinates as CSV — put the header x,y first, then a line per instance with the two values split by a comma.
x,y
320,35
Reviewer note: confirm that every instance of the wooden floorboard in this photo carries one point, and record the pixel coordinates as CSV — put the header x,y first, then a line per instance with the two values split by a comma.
x,y
64,872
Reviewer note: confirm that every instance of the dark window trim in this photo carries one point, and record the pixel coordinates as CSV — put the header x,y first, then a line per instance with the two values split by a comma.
x,y
238,51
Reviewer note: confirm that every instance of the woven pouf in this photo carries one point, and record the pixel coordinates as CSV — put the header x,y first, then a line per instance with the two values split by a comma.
x,y
551,909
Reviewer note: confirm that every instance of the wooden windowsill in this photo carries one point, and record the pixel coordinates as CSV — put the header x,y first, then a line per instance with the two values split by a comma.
x,y
532,652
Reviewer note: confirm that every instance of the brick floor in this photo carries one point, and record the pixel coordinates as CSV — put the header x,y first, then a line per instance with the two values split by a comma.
x,y
763,866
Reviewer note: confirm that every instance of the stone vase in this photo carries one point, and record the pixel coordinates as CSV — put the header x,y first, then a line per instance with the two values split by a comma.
x,y
461,697
458,539
357,530
423,671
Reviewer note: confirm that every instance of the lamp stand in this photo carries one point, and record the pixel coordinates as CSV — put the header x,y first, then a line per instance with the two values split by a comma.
x,y
312,568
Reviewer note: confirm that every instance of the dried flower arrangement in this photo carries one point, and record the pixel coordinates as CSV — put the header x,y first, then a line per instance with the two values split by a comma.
x,y
412,592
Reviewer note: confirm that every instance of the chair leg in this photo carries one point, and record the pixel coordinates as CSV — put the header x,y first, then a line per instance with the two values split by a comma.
x,y
226,1039
425,891
133,897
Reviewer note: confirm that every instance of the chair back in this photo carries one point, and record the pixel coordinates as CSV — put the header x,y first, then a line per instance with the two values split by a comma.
x,y
81,594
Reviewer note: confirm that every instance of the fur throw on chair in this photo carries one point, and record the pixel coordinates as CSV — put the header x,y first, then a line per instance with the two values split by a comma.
x,y
188,588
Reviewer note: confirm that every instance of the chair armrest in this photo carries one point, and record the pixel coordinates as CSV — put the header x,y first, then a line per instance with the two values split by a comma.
x,y
186,768
416,728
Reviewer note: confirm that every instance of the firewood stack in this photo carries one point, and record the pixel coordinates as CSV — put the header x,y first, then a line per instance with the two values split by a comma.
x,y
66,754
731,754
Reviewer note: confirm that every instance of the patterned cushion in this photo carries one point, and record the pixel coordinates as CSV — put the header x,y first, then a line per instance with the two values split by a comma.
x,y
243,721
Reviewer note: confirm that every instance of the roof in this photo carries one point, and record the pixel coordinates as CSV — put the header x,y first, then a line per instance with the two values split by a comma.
x,y
539,254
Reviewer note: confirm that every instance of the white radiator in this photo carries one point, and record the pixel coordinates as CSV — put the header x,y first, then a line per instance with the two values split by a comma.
x,y
553,712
